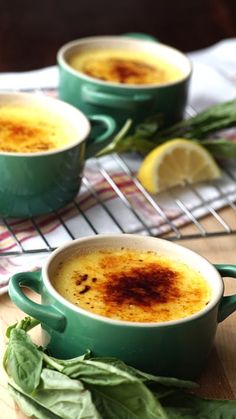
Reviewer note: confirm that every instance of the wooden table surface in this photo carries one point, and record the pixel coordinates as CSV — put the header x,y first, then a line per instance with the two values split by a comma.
x,y
218,379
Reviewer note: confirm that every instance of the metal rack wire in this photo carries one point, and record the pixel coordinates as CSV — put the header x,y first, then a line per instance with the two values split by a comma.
x,y
115,209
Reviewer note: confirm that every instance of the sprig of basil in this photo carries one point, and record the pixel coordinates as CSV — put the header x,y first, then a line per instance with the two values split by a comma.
x,y
202,128
97,388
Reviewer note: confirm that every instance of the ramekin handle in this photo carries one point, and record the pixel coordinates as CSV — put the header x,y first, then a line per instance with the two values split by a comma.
x,y
46,314
228,303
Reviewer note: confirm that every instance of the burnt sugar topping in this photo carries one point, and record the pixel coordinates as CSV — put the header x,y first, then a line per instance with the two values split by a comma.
x,y
24,129
125,66
123,71
132,285
23,136
142,286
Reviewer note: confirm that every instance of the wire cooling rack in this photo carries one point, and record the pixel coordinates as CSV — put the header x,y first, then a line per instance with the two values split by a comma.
x,y
116,202
112,200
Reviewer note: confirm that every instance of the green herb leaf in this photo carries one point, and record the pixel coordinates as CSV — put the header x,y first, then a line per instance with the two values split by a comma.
x,y
23,361
63,397
187,406
29,406
220,147
211,120
121,392
25,324
61,364
130,401
144,137
97,388
145,377
126,145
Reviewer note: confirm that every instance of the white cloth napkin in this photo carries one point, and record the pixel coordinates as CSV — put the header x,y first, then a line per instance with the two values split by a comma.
x,y
213,81
26,80
214,75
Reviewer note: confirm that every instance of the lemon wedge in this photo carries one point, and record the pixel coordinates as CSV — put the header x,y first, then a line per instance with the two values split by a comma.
x,y
176,162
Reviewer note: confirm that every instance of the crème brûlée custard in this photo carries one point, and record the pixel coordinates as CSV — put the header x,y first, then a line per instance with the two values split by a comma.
x,y
125,67
30,130
131,285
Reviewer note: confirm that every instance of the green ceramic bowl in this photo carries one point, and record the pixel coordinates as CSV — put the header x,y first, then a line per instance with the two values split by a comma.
x,y
176,348
37,183
123,101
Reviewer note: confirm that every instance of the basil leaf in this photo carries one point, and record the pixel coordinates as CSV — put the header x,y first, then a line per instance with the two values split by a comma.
x,y
29,406
65,397
60,364
220,147
210,120
62,397
97,388
150,126
116,390
187,406
98,373
25,324
127,401
23,361
145,377
149,134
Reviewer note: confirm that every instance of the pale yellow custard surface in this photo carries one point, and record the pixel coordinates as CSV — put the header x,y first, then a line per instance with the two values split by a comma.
x,y
27,130
124,67
131,285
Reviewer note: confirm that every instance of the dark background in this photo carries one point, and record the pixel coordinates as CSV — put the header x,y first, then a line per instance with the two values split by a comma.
x,y
32,31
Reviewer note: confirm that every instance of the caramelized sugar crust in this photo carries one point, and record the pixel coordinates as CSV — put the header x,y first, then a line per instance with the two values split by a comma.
x,y
27,130
125,67
132,285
